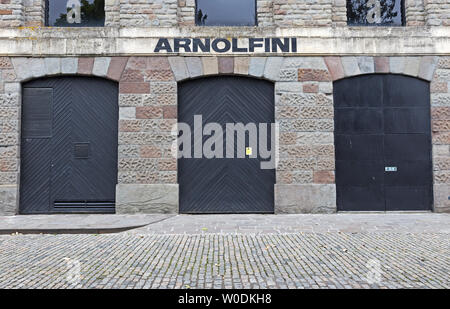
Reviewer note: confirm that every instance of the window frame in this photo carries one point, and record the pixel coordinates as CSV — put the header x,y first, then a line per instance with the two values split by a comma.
x,y
47,16
402,11
256,17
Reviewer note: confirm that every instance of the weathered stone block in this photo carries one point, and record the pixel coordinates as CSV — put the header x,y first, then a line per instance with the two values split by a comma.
x,y
397,64
150,152
412,66
210,65
381,64
5,63
241,65
310,87
85,65
158,63
69,65
305,198
272,68
194,66
335,68
257,66
126,88
52,66
288,75
441,198
9,99
140,198
324,177
440,99
116,67
126,125
170,112
179,68
127,113
146,112
305,63
313,75
101,66
350,65
164,87
226,65
366,65
137,63
132,76
427,67
288,87
130,100
8,200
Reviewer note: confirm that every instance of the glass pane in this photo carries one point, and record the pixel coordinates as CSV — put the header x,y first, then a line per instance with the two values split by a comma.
x,y
75,13
375,12
226,13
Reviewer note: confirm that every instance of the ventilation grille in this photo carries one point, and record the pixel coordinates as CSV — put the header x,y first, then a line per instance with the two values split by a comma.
x,y
80,205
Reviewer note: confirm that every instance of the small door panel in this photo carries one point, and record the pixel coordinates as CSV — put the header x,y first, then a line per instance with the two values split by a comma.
x,y
359,147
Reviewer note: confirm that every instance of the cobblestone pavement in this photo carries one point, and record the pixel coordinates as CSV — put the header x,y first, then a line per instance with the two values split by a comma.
x,y
296,260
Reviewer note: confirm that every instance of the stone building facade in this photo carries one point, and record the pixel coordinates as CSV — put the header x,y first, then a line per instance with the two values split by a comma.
x,y
123,51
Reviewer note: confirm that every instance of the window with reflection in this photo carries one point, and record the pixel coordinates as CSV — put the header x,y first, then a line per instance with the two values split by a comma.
x,y
225,13
375,12
75,13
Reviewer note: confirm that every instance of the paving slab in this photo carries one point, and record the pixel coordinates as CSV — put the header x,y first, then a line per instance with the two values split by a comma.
x,y
75,224
316,223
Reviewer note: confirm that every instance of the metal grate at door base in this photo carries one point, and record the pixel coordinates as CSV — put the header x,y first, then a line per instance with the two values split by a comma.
x,y
84,204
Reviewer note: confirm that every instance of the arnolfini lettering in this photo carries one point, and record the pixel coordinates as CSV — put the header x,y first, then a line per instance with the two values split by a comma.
x,y
225,45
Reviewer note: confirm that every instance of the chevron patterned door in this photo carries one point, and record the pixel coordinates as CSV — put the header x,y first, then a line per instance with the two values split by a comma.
x,y
69,145
226,185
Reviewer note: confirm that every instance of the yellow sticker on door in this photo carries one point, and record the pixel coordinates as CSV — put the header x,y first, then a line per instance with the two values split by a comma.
x,y
248,151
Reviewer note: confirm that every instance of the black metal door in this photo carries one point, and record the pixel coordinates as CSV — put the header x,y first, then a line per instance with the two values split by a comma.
x,y
383,143
69,145
226,185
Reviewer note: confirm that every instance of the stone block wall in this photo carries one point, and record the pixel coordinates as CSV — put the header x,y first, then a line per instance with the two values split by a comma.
x,y
415,12
112,13
437,12
143,13
288,13
440,111
265,13
339,13
304,109
11,13
148,111
34,13
186,12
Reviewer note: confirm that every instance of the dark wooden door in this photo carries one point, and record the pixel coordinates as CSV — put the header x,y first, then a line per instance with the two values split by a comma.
x,y
383,143
226,185
69,145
